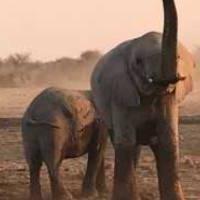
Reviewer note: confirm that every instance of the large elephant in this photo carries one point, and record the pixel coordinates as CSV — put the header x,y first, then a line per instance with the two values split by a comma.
x,y
62,124
137,87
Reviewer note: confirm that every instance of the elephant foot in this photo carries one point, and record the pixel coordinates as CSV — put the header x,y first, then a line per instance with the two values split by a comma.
x,y
63,196
89,192
35,197
125,197
178,196
102,190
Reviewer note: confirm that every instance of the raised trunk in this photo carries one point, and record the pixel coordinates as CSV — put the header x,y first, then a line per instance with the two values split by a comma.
x,y
169,42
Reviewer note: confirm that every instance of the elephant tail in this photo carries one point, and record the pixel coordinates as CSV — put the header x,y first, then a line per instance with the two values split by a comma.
x,y
35,122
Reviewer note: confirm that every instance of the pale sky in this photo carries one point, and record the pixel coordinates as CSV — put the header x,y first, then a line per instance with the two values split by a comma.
x,y
50,29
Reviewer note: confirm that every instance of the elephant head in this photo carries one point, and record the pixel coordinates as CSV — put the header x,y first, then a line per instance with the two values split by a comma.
x,y
152,60
150,65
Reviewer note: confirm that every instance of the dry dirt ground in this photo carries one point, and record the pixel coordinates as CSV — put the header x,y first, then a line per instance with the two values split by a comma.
x,y
14,178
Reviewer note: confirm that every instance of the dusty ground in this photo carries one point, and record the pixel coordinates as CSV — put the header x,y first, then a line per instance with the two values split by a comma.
x,y
14,176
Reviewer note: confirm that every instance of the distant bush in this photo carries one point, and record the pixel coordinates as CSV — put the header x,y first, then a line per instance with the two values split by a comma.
x,y
18,70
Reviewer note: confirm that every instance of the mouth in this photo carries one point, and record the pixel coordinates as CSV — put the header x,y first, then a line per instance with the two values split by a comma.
x,y
165,82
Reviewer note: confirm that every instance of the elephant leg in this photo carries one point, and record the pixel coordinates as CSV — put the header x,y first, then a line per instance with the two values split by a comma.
x,y
95,167
167,168
52,152
101,179
35,188
123,138
124,174
166,152
89,182
34,160
57,188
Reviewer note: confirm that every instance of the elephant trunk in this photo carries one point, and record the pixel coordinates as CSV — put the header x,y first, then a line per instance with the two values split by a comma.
x,y
169,42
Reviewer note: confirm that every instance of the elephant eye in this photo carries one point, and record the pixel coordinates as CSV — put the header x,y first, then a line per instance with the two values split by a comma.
x,y
138,61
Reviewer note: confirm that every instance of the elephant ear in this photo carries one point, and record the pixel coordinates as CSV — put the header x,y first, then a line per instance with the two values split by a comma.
x,y
186,65
125,92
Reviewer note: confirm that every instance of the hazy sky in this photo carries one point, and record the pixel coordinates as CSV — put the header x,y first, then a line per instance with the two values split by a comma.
x,y
49,29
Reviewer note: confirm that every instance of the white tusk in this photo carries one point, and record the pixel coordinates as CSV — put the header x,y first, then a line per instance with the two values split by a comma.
x,y
150,80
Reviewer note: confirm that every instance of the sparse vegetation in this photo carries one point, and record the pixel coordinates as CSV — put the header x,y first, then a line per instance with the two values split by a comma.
x,y
19,70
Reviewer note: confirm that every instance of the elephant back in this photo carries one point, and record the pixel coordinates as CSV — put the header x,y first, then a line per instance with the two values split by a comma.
x,y
55,106
76,103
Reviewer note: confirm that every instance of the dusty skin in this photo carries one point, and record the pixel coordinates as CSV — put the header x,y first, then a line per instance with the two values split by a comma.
x,y
61,124
14,178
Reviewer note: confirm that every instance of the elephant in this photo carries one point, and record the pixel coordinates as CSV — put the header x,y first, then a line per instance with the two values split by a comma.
x,y
137,88
61,124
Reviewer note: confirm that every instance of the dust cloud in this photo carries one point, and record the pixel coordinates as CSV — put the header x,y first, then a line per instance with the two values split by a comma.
x,y
19,70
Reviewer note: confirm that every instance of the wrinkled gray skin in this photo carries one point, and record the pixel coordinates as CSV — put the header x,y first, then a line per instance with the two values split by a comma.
x,y
137,87
49,136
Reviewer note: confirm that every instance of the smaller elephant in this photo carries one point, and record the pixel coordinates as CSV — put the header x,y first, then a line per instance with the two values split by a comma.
x,y
62,124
